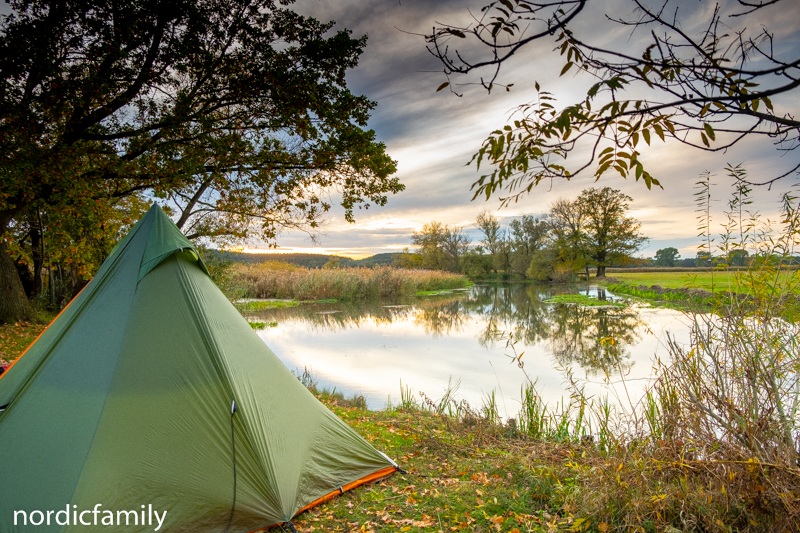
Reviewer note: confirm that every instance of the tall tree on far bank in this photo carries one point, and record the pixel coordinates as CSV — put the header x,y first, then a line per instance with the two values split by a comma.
x,y
493,238
611,236
237,111
567,218
528,235
666,257
439,247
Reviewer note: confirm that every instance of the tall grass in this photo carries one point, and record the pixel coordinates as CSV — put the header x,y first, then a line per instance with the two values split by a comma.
x,y
286,281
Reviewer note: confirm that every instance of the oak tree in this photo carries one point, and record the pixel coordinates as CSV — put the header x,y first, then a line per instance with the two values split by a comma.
x,y
610,235
237,111
666,257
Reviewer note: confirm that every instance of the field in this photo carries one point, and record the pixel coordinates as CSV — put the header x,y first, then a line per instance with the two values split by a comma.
x,y
710,281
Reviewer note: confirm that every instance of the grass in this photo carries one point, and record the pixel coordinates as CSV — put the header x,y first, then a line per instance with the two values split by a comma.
x,y
472,475
15,338
260,305
664,299
348,284
736,281
582,300
433,293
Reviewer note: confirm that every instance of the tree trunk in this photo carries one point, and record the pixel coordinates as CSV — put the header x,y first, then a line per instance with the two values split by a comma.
x,y
601,272
38,260
14,305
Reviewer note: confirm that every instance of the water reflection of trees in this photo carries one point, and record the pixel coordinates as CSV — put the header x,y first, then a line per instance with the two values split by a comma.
x,y
510,309
442,319
438,315
596,339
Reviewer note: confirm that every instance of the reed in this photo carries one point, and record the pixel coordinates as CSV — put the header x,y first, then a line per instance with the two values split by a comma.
x,y
269,280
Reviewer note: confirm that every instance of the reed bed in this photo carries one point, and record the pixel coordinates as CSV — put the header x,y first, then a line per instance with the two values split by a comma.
x,y
269,280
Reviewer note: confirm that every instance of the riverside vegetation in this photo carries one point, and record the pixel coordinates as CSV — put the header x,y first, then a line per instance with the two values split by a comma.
x,y
281,280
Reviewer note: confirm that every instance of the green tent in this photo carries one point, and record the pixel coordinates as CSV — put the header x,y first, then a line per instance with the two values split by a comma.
x,y
149,394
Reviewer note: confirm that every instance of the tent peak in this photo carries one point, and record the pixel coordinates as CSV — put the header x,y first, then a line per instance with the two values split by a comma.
x,y
163,240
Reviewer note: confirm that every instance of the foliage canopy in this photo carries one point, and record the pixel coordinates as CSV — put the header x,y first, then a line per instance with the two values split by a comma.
x,y
236,112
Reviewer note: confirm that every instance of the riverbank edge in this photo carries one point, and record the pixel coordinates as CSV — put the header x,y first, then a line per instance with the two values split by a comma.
x,y
670,297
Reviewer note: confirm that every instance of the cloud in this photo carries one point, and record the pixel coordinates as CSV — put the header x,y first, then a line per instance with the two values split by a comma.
x,y
432,134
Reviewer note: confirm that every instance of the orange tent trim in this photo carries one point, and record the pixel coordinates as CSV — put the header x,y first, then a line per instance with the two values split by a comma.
x,y
42,333
382,473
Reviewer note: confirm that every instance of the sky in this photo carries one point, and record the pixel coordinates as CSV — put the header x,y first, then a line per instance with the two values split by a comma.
x,y
432,135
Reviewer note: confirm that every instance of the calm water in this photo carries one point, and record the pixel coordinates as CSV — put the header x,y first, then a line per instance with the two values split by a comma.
x,y
369,348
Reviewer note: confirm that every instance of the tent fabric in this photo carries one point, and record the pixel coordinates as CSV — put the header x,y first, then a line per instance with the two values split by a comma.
x,y
125,401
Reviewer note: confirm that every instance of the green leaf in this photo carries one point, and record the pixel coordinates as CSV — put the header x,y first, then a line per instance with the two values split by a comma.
x,y
646,135
457,33
705,139
659,131
566,68
602,168
705,109
442,86
710,131
767,102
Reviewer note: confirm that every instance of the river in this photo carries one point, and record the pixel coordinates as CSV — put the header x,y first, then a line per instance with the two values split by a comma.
x,y
461,338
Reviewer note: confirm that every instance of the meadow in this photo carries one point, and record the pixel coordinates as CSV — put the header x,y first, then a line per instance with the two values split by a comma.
x,y
713,281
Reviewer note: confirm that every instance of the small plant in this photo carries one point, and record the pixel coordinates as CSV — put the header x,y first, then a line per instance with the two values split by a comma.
x,y
262,325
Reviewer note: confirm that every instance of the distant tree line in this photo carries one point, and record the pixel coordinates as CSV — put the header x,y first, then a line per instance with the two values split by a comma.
x,y
299,259
593,230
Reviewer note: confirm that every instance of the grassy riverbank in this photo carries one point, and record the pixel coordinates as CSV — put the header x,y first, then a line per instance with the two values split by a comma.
x,y
280,280
468,471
